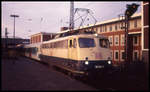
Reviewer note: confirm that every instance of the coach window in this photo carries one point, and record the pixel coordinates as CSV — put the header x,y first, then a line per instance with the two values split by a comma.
x,y
70,43
46,45
56,44
65,44
74,43
49,45
52,45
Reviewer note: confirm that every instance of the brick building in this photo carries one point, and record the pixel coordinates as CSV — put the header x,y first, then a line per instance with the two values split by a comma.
x,y
113,29
145,32
40,37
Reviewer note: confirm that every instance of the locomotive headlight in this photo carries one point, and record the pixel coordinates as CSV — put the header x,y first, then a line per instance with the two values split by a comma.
x,y
86,62
96,34
109,62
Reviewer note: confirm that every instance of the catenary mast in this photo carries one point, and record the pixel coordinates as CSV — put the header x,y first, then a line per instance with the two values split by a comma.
x,y
71,23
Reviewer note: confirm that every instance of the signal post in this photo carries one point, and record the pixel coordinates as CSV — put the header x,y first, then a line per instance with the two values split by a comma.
x,y
131,9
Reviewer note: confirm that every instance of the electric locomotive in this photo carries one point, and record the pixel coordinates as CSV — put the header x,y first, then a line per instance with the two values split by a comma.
x,y
78,53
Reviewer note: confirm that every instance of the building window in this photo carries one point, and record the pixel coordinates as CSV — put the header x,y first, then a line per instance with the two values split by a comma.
x,y
122,40
111,40
135,23
105,28
135,55
135,40
117,40
129,24
116,57
122,56
116,27
111,53
101,29
110,28
121,25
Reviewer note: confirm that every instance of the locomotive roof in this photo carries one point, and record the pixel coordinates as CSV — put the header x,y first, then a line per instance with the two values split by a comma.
x,y
81,35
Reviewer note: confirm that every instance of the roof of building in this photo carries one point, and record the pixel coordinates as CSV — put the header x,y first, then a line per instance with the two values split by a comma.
x,y
42,33
108,21
90,25
102,23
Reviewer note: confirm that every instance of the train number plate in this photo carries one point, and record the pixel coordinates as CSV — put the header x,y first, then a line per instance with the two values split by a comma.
x,y
99,66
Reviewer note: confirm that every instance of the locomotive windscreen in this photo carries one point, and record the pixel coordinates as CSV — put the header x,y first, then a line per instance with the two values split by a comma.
x,y
86,42
104,43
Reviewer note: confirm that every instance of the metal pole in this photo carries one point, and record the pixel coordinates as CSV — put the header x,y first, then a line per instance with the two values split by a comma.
x,y
71,24
14,27
14,32
6,37
126,39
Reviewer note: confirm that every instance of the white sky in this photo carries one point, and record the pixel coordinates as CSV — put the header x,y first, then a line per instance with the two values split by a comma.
x,y
35,17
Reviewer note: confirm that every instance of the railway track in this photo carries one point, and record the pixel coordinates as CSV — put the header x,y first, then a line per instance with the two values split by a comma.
x,y
94,82
112,82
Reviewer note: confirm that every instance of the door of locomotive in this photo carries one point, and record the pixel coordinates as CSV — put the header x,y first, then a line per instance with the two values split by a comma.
x,y
72,48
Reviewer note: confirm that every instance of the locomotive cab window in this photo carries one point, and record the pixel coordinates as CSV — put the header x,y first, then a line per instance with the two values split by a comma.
x,y
86,42
104,43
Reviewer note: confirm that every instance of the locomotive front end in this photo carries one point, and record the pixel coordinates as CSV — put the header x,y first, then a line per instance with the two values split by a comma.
x,y
94,54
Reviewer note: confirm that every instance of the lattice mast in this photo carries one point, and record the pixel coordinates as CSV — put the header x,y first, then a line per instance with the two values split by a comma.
x,y
71,23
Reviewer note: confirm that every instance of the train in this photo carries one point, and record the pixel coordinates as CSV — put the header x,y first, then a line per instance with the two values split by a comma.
x,y
79,53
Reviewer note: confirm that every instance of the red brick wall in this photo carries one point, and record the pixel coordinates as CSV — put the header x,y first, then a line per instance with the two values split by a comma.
x,y
35,39
120,47
46,37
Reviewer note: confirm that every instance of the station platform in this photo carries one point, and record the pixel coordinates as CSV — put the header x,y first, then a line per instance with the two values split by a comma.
x,y
25,74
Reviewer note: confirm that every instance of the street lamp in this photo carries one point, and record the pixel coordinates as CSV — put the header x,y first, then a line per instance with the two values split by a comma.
x,y
15,16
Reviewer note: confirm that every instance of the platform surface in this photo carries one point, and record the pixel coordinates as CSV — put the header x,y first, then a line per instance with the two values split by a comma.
x,y
26,74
